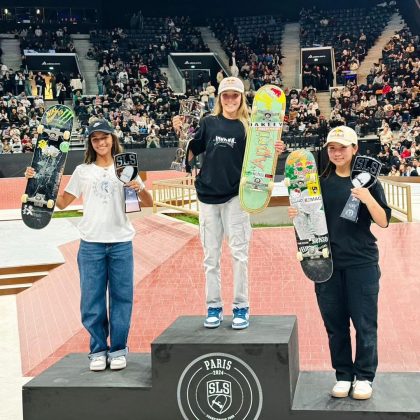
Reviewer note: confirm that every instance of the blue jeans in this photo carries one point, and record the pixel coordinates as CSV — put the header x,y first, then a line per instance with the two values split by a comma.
x,y
106,266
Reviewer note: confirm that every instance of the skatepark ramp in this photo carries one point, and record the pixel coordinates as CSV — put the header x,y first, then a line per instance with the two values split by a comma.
x,y
177,194
14,280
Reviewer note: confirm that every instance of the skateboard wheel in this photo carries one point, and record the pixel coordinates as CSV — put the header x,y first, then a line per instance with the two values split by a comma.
x,y
243,181
299,256
287,182
325,252
24,198
64,146
50,204
66,135
40,129
270,186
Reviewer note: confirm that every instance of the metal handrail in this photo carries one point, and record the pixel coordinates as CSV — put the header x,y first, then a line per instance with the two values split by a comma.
x,y
398,196
177,193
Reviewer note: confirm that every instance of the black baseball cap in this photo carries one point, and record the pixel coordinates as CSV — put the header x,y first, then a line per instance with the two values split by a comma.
x,y
100,125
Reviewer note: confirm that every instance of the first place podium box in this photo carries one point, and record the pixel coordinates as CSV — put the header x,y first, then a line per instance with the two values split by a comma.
x,y
220,374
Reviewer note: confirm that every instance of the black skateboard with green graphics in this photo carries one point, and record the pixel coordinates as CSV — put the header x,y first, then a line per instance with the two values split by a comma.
x,y
48,161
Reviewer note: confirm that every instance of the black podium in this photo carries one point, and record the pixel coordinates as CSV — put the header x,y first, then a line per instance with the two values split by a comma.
x,y
221,374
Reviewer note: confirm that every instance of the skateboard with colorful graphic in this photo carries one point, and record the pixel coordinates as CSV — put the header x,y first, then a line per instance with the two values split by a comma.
x,y
302,182
260,160
48,161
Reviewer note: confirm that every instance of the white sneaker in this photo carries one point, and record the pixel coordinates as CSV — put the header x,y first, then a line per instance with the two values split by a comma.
x,y
341,389
362,390
118,363
98,363
214,317
240,318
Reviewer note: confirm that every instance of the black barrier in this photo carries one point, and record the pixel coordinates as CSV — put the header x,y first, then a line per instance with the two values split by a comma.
x,y
196,373
14,165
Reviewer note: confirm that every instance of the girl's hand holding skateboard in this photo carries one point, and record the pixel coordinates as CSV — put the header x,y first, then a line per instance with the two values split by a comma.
x,y
177,123
292,212
29,173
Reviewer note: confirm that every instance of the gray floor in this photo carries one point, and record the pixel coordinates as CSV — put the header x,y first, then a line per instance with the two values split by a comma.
x,y
11,379
20,245
392,393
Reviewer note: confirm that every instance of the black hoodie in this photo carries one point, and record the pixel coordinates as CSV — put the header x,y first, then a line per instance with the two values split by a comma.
x,y
223,142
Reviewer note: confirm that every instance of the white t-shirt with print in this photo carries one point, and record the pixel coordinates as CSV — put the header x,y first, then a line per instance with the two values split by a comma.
x,y
104,218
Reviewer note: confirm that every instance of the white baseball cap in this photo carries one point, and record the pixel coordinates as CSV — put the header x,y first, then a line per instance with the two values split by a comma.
x,y
231,83
343,135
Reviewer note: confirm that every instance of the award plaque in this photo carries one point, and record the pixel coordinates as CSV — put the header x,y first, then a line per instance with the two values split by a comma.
x,y
364,173
126,169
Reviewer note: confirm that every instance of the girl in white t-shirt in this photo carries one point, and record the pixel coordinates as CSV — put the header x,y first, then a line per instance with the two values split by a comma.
x,y
105,256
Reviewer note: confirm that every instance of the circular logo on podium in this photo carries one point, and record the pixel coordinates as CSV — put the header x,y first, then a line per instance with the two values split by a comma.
x,y
219,386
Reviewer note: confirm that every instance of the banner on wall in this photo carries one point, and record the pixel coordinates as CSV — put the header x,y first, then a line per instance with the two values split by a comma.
x,y
46,62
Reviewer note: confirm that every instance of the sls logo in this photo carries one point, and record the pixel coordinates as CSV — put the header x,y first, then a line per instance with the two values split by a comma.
x,y
219,395
219,386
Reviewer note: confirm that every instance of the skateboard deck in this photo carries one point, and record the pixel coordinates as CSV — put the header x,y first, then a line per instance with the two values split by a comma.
x,y
260,159
48,161
302,182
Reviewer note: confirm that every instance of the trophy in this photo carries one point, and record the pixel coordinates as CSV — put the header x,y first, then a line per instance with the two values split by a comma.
x,y
191,111
126,169
364,173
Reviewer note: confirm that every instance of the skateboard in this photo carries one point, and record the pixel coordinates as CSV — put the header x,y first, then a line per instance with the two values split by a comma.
x,y
302,182
260,159
48,161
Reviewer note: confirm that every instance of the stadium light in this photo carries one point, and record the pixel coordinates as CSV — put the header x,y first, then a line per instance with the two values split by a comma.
x,y
38,11
6,11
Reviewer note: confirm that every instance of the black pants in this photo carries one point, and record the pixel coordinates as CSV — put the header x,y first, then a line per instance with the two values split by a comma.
x,y
351,294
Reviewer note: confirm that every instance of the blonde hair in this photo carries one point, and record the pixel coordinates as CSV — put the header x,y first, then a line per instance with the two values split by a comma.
x,y
242,113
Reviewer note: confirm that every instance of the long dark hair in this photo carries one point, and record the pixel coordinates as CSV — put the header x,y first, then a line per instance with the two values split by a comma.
x,y
90,154
330,168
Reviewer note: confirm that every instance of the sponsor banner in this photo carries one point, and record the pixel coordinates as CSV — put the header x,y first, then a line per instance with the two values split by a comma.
x,y
52,62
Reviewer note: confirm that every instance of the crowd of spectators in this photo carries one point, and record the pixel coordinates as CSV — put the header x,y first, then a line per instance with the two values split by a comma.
x,y
390,92
140,117
19,118
155,39
325,28
134,95
258,61
388,104
304,126
132,92
22,92
43,40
